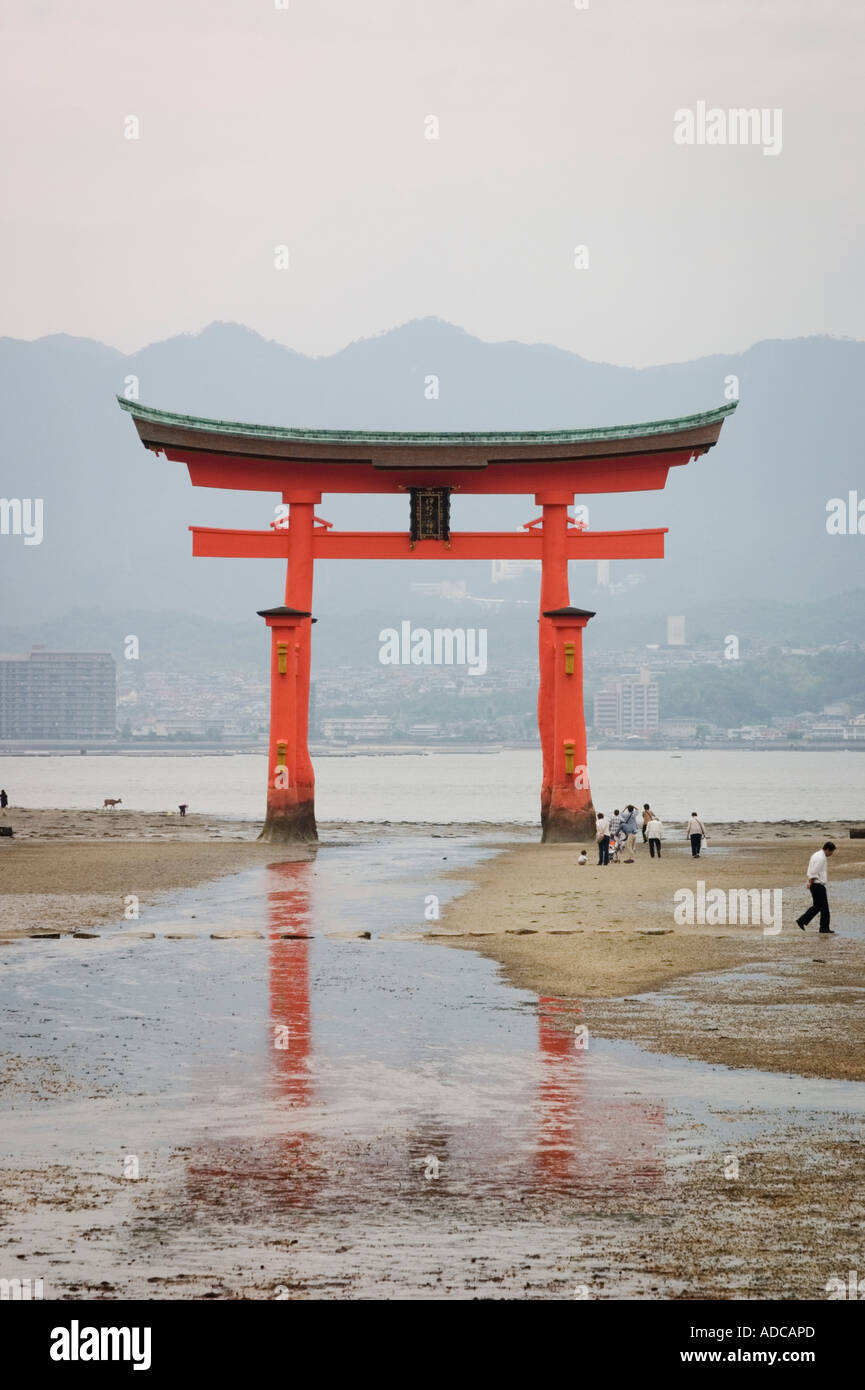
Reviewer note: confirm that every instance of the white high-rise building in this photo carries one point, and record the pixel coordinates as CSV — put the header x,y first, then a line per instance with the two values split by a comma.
x,y
675,632
627,707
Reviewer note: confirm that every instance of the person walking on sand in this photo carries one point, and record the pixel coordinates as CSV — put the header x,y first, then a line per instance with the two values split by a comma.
x,y
4,800
629,827
696,832
183,807
648,813
654,831
818,883
617,839
602,835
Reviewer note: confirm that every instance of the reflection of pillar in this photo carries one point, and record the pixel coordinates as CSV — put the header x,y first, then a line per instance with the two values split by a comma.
x,y
589,1140
570,813
280,1168
560,1093
554,594
290,795
289,914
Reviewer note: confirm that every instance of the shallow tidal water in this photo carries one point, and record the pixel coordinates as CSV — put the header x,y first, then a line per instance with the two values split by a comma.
x,y
310,1115
457,787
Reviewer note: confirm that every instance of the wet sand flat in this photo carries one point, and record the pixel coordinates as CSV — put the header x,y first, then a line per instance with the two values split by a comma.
x,y
70,870
788,1223
790,1001
67,870
620,1171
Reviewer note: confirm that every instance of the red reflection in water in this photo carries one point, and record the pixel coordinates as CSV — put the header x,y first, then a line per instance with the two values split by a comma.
x,y
585,1140
290,1027
281,1171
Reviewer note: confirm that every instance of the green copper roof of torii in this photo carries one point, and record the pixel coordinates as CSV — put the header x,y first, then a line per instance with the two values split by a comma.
x,y
425,437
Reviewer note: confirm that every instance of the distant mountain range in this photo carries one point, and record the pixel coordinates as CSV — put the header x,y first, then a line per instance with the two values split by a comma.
x,y
747,521
186,642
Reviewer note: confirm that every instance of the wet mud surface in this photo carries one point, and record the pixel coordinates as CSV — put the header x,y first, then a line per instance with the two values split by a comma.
x,y
305,1113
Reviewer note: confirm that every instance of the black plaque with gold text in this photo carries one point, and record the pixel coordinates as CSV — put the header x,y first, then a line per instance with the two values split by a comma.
x,y
430,513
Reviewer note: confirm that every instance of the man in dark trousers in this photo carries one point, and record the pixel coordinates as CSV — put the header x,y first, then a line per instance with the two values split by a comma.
x,y
818,882
695,831
602,835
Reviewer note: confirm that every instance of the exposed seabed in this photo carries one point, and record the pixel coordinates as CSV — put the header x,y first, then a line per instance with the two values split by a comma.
x,y
285,1109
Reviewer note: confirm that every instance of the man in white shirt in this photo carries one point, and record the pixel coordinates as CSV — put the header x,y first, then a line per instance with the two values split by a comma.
x,y
818,883
695,831
654,831
602,835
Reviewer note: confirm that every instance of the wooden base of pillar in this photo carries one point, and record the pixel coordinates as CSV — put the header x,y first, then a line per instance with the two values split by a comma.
x,y
290,824
569,825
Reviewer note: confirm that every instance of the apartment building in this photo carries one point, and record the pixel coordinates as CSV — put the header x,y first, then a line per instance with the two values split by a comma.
x,y
627,707
56,695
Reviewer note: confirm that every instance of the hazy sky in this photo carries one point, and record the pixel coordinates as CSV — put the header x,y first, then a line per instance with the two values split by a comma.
x,y
306,127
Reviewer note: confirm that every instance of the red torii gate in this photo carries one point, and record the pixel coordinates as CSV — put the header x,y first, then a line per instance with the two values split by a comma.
x,y
553,466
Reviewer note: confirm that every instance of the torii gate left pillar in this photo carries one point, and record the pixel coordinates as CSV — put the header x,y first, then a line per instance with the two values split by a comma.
x,y
290,780
290,812
567,813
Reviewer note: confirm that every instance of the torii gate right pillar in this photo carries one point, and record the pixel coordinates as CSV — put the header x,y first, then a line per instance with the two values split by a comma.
x,y
570,815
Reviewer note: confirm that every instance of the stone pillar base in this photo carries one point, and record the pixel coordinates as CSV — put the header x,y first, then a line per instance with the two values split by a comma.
x,y
566,826
290,824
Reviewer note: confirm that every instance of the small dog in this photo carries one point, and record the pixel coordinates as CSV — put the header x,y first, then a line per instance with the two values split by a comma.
x,y
111,802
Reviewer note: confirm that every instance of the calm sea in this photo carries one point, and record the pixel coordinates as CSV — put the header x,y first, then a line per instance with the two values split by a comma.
x,y
458,787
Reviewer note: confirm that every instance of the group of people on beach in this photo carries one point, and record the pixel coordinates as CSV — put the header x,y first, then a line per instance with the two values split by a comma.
x,y
616,835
